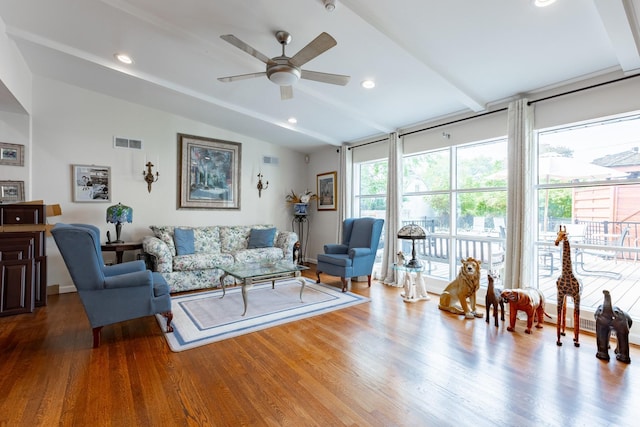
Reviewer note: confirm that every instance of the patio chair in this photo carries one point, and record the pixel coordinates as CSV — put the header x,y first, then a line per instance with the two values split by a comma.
x,y
109,294
604,254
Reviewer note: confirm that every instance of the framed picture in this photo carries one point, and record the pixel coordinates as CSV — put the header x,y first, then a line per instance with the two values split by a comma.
x,y
11,191
209,173
11,154
327,191
91,183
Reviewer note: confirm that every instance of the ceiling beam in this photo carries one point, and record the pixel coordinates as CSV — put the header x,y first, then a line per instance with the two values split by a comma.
x,y
620,20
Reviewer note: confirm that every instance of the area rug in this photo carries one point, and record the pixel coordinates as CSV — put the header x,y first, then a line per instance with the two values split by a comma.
x,y
203,318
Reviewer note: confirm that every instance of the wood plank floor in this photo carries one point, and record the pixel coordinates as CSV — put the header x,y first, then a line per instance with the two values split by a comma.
x,y
383,363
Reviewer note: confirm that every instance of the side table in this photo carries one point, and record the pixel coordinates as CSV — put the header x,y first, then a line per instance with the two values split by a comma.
x,y
413,284
121,248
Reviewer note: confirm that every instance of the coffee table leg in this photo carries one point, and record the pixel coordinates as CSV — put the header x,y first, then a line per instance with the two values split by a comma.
x,y
302,283
222,284
246,285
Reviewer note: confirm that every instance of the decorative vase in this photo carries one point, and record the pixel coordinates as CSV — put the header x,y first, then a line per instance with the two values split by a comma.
x,y
300,209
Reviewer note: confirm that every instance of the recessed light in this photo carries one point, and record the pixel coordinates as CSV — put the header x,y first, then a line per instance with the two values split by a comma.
x,y
543,3
124,58
292,120
368,84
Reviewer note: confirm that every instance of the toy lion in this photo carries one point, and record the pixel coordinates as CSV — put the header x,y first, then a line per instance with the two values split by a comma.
x,y
454,297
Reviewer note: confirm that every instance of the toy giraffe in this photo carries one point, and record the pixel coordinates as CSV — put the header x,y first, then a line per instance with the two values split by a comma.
x,y
568,286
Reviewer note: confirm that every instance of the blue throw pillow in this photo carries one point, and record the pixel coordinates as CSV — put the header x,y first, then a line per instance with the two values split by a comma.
x,y
183,238
261,238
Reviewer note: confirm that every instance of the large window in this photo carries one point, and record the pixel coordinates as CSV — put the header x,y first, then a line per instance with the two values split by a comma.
x,y
588,181
370,194
458,195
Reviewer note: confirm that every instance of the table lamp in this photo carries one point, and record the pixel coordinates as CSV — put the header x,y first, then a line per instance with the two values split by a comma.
x,y
117,214
413,232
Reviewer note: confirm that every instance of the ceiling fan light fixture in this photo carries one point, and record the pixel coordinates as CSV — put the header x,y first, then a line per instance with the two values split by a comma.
x,y
283,75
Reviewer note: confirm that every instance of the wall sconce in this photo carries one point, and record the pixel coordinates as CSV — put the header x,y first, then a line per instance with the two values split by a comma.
x,y
261,186
149,177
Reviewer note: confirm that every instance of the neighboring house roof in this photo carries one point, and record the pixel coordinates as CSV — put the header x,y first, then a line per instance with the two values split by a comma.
x,y
625,158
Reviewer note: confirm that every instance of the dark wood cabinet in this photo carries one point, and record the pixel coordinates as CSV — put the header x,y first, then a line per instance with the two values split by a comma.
x,y
23,260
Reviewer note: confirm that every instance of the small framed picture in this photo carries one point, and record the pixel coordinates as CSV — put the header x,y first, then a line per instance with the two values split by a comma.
x,y
11,191
11,154
327,191
91,183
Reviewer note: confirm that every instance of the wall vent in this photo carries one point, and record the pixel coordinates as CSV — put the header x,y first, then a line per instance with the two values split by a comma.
x,y
120,142
268,160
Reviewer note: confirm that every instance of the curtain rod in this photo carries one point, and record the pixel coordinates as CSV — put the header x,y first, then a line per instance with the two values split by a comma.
x,y
454,121
583,88
367,143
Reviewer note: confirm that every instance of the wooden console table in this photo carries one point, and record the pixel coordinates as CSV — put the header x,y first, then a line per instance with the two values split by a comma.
x,y
121,248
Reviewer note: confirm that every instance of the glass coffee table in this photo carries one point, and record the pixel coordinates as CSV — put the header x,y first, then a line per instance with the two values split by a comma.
x,y
251,274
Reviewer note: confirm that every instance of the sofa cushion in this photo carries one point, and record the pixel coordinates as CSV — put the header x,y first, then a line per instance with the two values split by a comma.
x,y
165,233
233,238
261,238
207,239
248,256
183,239
201,261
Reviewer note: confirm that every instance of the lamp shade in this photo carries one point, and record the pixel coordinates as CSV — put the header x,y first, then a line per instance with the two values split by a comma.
x,y
412,231
119,213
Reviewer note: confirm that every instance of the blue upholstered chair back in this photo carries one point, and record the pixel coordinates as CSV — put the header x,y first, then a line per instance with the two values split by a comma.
x,y
79,245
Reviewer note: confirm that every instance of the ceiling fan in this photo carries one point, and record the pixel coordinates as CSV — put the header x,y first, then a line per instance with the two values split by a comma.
x,y
285,71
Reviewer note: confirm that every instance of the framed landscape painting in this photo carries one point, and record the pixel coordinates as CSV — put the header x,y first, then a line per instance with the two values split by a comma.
x,y
91,183
11,154
327,191
11,191
209,173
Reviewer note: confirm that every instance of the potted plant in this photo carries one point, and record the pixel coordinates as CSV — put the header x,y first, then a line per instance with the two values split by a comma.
x,y
301,201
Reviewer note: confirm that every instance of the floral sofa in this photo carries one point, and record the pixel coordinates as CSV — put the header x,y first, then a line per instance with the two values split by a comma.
x,y
191,265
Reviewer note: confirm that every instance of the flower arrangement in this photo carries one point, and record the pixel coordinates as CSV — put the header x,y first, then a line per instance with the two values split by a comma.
x,y
306,197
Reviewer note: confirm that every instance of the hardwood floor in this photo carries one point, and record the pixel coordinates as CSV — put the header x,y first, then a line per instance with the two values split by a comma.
x,y
383,363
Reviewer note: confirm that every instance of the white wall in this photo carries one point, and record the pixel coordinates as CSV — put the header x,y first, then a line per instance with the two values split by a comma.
x,y
76,126
323,225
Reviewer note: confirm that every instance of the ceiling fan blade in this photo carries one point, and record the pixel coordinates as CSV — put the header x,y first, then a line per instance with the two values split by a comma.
x,y
230,38
320,44
241,77
334,79
286,92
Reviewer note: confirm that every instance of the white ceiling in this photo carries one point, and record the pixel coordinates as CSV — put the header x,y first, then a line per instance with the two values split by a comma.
x,y
430,59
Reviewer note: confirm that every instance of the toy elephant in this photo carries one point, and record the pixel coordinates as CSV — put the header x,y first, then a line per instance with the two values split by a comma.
x,y
610,318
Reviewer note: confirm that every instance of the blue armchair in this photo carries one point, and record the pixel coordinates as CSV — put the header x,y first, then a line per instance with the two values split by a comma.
x,y
356,254
109,294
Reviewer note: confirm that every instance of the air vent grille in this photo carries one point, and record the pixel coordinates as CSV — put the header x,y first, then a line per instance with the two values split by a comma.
x,y
120,142
268,160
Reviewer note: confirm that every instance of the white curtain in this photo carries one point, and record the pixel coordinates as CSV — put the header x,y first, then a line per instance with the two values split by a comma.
x,y
344,188
392,216
520,215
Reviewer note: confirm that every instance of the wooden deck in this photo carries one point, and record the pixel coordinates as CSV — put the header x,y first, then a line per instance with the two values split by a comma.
x,y
625,292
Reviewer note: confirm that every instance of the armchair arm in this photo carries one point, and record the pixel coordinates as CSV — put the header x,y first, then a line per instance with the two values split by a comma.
x,y
125,267
159,249
130,280
359,252
333,248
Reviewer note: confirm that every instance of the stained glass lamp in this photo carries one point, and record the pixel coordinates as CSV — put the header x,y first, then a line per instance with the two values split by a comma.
x,y
413,232
117,214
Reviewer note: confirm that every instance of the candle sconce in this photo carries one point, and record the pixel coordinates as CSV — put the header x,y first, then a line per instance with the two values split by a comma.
x,y
261,186
149,177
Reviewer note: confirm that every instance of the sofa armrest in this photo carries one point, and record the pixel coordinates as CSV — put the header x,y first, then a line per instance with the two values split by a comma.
x,y
285,241
159,249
